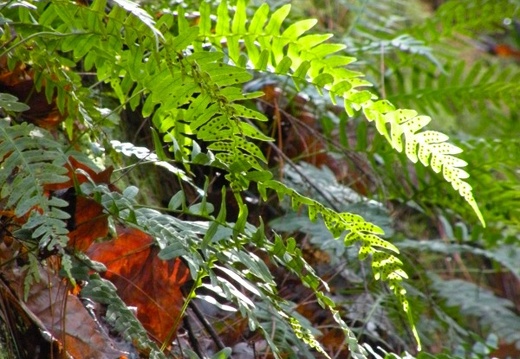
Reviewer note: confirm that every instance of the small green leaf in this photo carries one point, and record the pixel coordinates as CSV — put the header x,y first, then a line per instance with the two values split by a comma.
x,y
223,20
323,79
322,50
277,18
10,103
177,200
238,26
309,41
158,145
202,209
251,131
259,19
298,28
185,39
338,60
205,19
284,66
263,60
340,88
301,71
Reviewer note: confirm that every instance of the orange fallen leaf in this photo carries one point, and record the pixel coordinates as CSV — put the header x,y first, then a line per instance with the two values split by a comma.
x,y
72,166
89,224
143,280
504,50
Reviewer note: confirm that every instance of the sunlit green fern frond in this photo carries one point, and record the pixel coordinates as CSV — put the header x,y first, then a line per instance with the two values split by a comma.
x,y
213,113
429,147
353,228
310,59
193,96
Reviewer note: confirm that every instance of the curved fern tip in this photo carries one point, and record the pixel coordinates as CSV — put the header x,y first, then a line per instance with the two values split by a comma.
x,y
479,215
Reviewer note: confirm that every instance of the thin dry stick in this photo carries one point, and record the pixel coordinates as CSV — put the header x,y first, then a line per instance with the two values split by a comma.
x,y
456,256
193,339
207,326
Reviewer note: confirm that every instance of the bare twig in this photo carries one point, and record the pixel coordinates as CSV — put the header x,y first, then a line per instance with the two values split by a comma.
x,y
192,338
207,326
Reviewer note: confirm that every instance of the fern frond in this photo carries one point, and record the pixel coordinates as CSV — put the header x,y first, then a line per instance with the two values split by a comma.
x,y
178,238
429,147
308,59
507,255
294,261
366,22
31,159
481,86
406,48
495,314
385,265
214,114
119,315
465,17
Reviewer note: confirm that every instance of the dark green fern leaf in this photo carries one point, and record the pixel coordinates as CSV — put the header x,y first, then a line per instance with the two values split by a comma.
x,y
483,88
495,314
119,315
31,159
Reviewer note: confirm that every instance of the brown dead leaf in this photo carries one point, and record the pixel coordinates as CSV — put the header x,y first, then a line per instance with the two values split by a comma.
x,y
143,280
63,315
20,83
